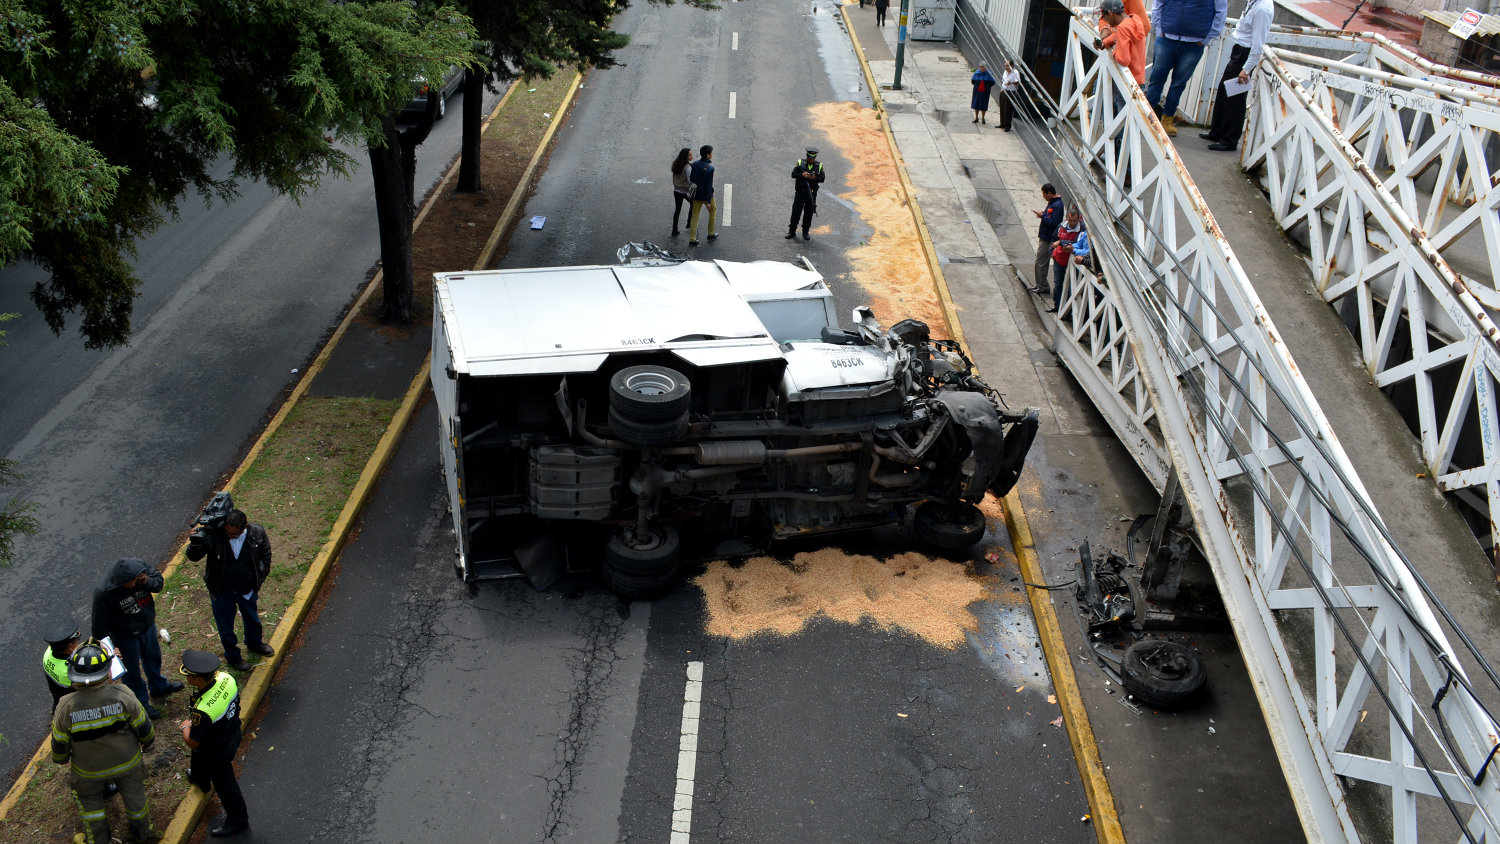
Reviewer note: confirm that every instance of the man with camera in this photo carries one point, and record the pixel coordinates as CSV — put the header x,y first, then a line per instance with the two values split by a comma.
x,y
239,558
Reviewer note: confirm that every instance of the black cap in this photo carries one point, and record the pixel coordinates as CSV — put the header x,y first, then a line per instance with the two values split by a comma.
x,y
812,152
201,663
63,630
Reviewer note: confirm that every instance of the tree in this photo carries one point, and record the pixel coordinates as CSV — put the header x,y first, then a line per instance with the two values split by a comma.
x,y
111,110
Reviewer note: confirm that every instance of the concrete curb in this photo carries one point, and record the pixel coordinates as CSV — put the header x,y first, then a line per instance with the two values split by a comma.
x,y
1105,818
190,810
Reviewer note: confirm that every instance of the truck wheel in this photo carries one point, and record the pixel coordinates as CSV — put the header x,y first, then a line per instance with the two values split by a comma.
x,y
949,527
631,554
637,588
649,393
648,433
1161,673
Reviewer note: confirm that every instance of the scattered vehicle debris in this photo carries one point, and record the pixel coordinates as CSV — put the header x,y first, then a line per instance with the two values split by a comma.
x,y
629,417
1155,671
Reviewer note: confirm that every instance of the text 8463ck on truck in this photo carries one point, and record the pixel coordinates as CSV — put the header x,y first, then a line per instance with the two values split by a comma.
x,y
629,417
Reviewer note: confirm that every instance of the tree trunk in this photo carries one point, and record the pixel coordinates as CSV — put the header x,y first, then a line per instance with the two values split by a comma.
x,y
393,214
469,149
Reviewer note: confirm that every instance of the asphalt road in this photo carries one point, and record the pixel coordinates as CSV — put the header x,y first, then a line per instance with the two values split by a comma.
x,y
416,709
120,447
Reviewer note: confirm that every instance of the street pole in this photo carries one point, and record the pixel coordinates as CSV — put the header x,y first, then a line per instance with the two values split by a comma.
x,y
900,45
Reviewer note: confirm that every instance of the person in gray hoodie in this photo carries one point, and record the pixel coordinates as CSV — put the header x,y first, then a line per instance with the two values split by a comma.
x,y
125,611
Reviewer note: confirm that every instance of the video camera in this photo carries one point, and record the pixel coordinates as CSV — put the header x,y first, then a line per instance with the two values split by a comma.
x,y
212,518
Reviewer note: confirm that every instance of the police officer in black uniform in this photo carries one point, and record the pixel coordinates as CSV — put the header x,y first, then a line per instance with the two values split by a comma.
x,y
806,177
213,733
62,637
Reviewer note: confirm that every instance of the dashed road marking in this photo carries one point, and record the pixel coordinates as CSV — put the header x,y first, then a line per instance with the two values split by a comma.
x,y
734,41
728,204
732,102
687,756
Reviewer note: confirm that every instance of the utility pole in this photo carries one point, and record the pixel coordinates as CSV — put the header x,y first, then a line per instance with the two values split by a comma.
x,y
900,45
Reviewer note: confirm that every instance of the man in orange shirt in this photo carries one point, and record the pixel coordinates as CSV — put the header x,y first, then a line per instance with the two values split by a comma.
x,y
1125,34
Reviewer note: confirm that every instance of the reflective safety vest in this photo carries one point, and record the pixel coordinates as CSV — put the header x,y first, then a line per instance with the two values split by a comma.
x,y
56,668
216,713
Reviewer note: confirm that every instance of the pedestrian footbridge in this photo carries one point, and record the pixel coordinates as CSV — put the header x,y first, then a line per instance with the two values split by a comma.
x,y
1379,165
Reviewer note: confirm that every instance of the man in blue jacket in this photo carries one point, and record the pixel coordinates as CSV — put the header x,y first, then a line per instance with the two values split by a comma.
x,y
1183,28
702,175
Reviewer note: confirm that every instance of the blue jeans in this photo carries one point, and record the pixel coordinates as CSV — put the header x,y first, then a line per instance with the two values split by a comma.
x,y
1177,58
137,651
225,606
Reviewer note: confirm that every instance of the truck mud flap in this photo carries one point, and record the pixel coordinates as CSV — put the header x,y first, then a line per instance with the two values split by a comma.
x,y
544,558
1018,442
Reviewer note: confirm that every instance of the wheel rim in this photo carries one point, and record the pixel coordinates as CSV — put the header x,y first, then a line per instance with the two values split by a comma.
x,y
653,540
650,383
1166,664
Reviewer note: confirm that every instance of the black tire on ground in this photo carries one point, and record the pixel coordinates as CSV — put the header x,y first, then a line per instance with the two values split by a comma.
x,y
643,557
949,527
649,393
648,434
639,588
1161,673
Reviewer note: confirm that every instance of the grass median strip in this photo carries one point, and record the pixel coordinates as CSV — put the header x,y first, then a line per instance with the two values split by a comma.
x,y
300,481
296,488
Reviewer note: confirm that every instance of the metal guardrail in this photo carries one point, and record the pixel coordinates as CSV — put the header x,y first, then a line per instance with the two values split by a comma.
x,y
1175,348
1365,166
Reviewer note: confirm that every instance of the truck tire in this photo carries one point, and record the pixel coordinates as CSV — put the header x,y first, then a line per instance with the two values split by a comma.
x,y
649,393
949,527
653,557
648,434
1161,673
637,588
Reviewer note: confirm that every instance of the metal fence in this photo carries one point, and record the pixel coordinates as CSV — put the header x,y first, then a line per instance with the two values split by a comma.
x,y
1386,179
1355,675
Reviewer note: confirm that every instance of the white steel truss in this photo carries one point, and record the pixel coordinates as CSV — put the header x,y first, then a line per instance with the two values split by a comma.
x,y
1175,348
1381,174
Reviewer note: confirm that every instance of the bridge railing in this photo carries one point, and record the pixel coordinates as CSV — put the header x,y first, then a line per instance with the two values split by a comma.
x,y
1387,180
1176,350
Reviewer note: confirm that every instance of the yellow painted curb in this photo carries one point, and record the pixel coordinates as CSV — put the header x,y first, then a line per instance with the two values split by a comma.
x,y
519,194
254,691
1105,818
1080,732
191,807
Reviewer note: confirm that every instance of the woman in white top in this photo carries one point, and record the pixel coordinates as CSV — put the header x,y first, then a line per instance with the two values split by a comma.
x,y
1010,89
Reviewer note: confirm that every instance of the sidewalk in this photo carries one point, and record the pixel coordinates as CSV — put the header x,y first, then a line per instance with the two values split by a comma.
x,y
1187,776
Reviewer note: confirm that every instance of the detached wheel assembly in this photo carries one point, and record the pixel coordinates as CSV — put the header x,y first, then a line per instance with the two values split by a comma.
x,y
1161,673
641,567
649,393
949,527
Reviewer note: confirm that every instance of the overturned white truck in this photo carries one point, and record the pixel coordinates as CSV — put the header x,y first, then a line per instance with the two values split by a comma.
x,y
625,418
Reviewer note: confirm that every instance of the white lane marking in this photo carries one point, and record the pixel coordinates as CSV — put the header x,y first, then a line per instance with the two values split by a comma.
x,y
732,102
728,204
687,756
734,41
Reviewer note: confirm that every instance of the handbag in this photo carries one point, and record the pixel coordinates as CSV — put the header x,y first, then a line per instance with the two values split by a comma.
x,y
692,190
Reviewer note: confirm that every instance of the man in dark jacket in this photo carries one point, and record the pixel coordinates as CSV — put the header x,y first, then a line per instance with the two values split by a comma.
x,y
125,611
806,176
702,175
239,558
